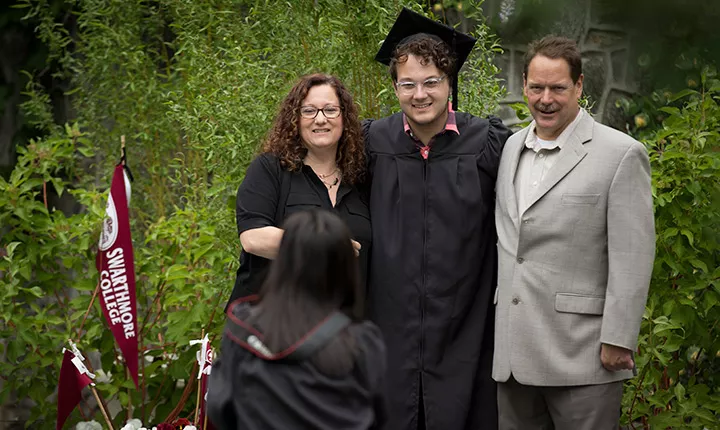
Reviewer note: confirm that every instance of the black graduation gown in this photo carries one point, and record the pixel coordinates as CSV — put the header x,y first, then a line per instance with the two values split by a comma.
x,y
249,392
433,270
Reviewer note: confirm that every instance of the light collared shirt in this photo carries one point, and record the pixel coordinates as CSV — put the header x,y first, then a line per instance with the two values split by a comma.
x,y
537,159
450,127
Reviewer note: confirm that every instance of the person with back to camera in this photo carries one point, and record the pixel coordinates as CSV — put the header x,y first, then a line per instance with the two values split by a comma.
x,y
313,157
299,356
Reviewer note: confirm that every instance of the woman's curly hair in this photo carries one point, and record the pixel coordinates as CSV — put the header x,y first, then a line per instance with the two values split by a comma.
x,y
430,49
284,139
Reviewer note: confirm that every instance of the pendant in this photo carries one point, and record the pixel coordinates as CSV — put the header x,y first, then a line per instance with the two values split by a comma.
x,y
329,186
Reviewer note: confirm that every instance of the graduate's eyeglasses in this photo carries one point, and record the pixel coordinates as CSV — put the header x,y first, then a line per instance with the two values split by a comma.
x,y
430,85
310,112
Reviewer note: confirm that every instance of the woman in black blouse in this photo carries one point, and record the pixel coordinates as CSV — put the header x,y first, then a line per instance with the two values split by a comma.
x,y
313,157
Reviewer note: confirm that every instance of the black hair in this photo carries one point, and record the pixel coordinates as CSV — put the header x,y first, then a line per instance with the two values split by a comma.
x,y
315,273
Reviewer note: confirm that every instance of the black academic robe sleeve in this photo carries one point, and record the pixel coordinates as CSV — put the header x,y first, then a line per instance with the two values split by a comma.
x,y
498,133
258,194
365,127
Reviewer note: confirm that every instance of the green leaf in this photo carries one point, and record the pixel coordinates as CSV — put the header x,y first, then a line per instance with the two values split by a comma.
x,y
710,299
176,271
670,232
59,186
128,383
670,154
680,94
10,248
709,417
699,264
202,251
687,233
35,291
25,272
679,391
670,109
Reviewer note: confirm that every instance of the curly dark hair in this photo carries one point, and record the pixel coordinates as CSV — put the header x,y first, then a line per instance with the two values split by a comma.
x,y
430,49
283,139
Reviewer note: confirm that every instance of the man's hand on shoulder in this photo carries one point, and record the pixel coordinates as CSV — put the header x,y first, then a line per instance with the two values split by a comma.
x,y
616,358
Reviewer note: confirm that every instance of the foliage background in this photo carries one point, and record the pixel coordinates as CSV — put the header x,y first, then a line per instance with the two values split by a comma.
x,y
679,349
193,85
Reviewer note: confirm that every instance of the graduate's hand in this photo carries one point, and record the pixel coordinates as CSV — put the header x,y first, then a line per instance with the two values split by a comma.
x,y
356,246
615,358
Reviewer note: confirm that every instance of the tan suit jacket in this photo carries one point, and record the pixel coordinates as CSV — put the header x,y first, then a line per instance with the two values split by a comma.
x,y
575,266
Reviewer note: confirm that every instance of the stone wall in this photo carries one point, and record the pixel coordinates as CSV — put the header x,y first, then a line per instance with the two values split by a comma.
x,y
609,72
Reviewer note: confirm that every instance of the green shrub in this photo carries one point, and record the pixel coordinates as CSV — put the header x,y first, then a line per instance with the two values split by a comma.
x,y
679,354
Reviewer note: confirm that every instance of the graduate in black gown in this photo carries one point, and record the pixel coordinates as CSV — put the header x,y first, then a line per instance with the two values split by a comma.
x,y
433,265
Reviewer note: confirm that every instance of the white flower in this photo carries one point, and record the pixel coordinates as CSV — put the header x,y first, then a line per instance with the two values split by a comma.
x,y
133,424
190,428
180,383
88,425
102,377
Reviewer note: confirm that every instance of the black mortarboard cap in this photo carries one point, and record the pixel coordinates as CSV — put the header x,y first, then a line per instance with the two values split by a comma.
x,y
410,23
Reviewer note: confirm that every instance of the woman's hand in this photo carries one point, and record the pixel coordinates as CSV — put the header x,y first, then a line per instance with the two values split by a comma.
x,y
356,246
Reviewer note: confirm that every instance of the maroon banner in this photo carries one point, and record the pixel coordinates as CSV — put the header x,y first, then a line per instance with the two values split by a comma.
x,y
69,388
117,272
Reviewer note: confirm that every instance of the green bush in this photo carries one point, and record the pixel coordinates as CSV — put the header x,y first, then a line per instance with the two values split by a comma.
x,y
679,353
193,85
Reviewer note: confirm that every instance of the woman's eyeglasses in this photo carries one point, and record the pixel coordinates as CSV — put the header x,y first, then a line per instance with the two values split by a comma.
x,y
310,112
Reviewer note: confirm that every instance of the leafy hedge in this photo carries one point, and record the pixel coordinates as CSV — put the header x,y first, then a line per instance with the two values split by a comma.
x,y
679,353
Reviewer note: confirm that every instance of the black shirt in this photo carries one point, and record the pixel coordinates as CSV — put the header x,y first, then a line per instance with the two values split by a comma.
x,y
259,205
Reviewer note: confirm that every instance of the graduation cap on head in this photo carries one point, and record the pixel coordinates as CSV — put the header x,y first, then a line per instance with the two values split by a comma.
x,y
409,24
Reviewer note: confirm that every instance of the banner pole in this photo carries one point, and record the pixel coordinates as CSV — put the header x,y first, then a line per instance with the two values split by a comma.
x,y
199,385
102,408
92,301
122,149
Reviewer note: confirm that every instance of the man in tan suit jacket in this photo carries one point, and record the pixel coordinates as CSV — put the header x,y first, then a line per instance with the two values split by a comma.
x,y
576,243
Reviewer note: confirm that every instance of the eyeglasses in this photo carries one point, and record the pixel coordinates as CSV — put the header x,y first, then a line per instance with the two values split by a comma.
x,y
310,112
408,87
